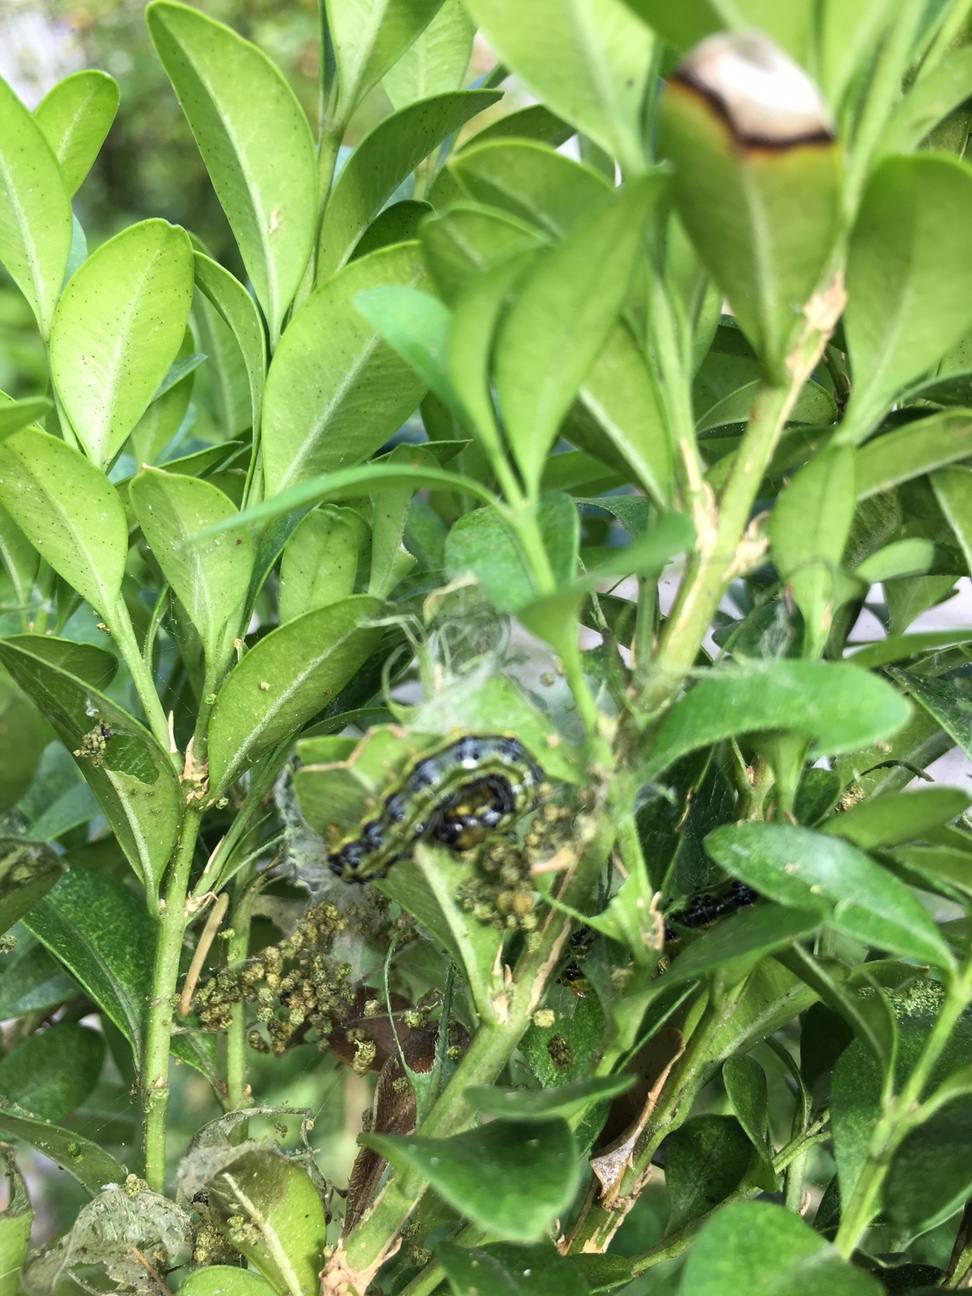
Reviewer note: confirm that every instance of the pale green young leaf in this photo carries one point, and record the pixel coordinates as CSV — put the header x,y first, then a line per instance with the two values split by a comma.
x,y
335,390
542,358
436,62
465,241
588,60
36,226
953,490
226,1280
15,1223
385,157
367,38
418,327
75,117
320,562
239,313
909,280
69,511
531,182
118,328
255,141
15,415
211,578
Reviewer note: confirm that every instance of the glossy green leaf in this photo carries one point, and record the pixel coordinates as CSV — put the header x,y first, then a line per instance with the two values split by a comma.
x,y
284,680
95,666
15,1222
913,450
537,1104
75,117
132,777
953,490
909,557
534,122
738,943
385,157
805,869
542,359
930,1178
808,530
117,330
814,405
704,1162
829,702
588,60
270,1210
767,1250
51,1073
90,1164
483,544
900,647
368,38
763,220
335,391
502,1269
320,562
76,806
255,141
226,1280
897,816
533,1172
36,226
23,737
15,415
399,222
436,62
210,578
747,1091
466,240
69,511
31,978
531,182
909,280
416,325
239,313
946,703
28,870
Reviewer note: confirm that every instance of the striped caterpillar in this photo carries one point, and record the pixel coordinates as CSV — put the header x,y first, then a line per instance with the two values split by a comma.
x,y
457,797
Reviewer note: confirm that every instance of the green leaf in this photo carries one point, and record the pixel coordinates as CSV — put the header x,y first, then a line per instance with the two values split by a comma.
x,y
930,1178
23,737
539,1104
746,1089
531,183
36,225
284,680
588,60
738,943
943,701
953,490
132,777
541,357
909,280
368,37
533,1172
28,870
335,391
15,415
51,1073
399,222
225,1280
705,1161
118,328
75,117
900,647
31,979
255,141
484,544
385,157
15,1222
211,578
270,1210
897,816
86,661
913,450
239,313
941,90
320,562
465,241
761,206
532,123
436,62
417,326
805,869
90,1164
848,30
69,511
830,702
909,557
502,1269
767,1250
808,530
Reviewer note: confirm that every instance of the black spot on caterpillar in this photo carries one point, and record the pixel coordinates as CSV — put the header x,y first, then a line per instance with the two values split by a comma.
x,y
457,797
704,907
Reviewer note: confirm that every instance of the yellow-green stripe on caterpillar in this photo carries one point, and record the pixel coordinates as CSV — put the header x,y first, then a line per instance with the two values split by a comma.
x,y
457,797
